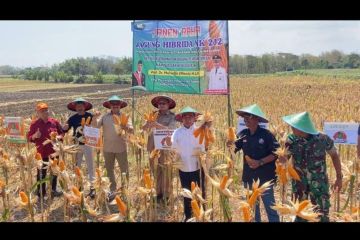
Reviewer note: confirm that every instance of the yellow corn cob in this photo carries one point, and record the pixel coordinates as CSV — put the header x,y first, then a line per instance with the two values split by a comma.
x,y
62,165
283,175
2,131
98,173
24,197
196,209
54,163
155,153
121,205
303,205
53,135
202,136
2,184
223,182
77,171
116,119
38,156
211,136
197,132
147,180
246,213
76,191
231,134
82,122
253,198
293,173
5,156
123,120
87,122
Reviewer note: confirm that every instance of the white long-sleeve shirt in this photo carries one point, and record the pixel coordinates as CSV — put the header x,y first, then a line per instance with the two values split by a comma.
x,y
186,145
218,79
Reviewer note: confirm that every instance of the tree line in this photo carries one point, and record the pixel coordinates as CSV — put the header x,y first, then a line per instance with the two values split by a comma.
x,y
94,69
78,70
279,62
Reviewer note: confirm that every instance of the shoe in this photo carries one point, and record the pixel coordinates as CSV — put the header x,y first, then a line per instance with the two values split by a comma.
x,y
185,219
55,194
111,196
92,193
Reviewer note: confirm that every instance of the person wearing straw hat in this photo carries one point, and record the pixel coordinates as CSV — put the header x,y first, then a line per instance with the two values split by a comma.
x,y
259,144
165,120
308,148
81,107
40,130
187,147
115,146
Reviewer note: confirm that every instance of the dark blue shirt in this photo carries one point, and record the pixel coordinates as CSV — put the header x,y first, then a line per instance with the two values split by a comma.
x,y
257,146
359,131
75,121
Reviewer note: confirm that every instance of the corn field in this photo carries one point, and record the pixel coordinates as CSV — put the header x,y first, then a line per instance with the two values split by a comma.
x,y
226,198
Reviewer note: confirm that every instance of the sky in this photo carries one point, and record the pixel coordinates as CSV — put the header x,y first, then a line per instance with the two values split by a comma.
x,y
43,43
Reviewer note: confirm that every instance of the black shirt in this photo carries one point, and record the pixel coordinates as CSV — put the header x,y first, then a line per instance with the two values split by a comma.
x,y
257,146
75,121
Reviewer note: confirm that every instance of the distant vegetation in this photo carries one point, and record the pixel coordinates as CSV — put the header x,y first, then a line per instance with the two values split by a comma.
x,y
118,70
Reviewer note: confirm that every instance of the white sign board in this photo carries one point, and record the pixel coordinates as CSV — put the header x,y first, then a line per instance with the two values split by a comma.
x,y
13,126
159,138
241,125
92,136
341,132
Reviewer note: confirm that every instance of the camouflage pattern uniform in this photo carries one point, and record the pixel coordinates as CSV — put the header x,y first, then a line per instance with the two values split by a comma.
x,y
310,162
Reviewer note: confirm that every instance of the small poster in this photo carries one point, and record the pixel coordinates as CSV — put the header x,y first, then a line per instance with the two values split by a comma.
x,y
92,137
342,132
160,136
15,129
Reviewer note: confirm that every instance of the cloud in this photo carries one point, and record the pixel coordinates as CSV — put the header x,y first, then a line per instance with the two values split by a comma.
x,y
258,37
33,43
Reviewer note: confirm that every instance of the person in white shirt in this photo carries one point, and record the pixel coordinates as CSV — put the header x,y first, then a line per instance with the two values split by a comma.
x,y
187,147
217,76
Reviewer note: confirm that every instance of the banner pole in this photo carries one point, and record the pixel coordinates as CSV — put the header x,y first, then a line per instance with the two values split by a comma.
x,y
132,90
230,121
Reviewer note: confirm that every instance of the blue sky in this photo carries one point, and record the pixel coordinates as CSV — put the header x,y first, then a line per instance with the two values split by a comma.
x,y
35,43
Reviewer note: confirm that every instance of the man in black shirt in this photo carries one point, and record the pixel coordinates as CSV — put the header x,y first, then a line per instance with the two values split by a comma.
x,y
77,122
259,144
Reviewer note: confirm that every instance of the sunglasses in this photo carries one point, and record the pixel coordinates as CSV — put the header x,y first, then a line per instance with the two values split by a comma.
x,y
247,116
162,103
115,104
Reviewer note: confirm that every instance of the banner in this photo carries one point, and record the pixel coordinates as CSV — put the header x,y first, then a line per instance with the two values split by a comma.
x,y
15,129
181,56
92,137
241,125
341,132
160,136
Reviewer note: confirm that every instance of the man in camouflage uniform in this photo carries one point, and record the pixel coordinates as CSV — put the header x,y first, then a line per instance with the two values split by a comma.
x,y
308,148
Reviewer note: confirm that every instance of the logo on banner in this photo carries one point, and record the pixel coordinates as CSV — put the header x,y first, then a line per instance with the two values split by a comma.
x,y
139,26
340,137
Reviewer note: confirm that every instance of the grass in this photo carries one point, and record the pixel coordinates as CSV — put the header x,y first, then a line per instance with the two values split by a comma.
x,y
16,85
333,73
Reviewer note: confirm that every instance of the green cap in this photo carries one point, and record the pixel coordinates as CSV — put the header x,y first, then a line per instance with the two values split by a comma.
x,y
302,122
253,110
178,116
